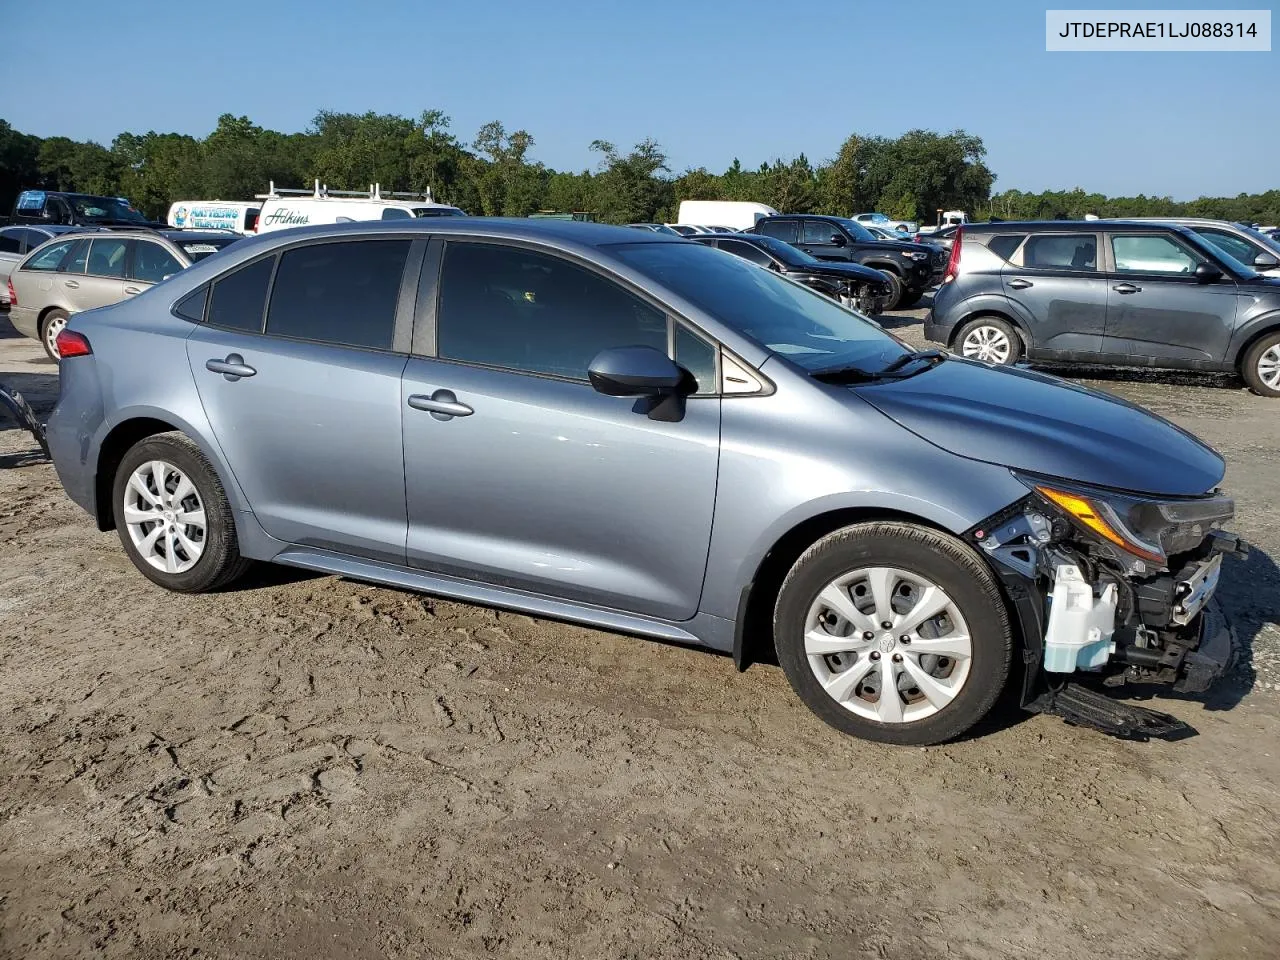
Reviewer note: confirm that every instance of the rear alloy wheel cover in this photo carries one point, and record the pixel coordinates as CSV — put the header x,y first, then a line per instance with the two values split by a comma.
x,y
51,330
987,343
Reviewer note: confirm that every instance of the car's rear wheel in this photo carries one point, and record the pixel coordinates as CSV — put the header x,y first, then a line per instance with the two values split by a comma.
x,y
173,516
893,632
990,340
54,322
1261,366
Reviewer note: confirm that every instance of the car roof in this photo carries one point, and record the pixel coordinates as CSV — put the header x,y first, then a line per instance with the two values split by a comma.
x,y
1068,226
575,232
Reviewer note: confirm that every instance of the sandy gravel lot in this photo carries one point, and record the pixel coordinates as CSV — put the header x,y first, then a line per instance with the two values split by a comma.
x,y
312,767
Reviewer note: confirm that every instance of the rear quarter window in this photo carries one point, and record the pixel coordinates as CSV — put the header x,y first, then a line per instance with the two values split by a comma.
x,y
50,258
1004,245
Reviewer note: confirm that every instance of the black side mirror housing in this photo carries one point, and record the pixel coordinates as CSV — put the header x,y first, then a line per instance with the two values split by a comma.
x,y
838,239
1264,261
1207,273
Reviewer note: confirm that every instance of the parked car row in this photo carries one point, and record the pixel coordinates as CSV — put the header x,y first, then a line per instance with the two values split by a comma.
x,y
727,458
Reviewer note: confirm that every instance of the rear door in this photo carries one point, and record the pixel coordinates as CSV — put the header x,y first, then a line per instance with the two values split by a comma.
x,y
298,364
1157,310
94,275
1057,281
151,263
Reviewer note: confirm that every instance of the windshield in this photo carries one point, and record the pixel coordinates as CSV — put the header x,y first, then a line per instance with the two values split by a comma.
x,y
856,230
787,318
1266,239
197,250
105,208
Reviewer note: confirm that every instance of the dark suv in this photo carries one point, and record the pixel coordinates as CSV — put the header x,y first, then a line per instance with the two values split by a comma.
x,y
911,267
1122,293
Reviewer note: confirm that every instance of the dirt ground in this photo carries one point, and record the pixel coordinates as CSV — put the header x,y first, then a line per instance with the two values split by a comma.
x,y
312,767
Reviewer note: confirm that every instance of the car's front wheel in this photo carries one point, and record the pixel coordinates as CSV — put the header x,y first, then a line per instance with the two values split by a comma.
x,y
173,516
893,632
54,322
1261,366
990,340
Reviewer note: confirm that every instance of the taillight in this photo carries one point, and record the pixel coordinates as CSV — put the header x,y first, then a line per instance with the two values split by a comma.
x,y
72,344
13,297
953,263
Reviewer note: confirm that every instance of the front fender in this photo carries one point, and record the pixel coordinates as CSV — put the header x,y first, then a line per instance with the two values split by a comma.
x,y
1249,331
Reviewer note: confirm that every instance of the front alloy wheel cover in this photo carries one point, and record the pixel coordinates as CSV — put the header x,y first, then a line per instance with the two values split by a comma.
x,y
987,343
1268,367
888,645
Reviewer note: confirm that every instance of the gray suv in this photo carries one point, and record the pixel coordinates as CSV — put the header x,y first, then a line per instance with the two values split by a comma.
x,y
1121,293
647,435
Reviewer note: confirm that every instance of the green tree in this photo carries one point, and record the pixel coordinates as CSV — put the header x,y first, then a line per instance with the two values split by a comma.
x,y
631,188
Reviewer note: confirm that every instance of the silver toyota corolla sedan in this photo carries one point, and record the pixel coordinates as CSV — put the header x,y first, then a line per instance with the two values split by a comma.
x,y
644,434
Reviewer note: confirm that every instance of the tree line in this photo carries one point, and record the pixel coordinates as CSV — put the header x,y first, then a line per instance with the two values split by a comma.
x,y
911,177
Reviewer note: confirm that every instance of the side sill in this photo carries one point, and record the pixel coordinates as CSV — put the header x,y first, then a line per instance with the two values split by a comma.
x,y
484,594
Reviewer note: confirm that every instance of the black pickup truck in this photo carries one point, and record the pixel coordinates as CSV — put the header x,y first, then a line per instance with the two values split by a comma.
x,y
45,207
911,267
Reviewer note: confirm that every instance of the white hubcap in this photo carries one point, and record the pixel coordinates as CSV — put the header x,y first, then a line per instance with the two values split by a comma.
x,y
888,645
164,517
1269,367
987,343
51,331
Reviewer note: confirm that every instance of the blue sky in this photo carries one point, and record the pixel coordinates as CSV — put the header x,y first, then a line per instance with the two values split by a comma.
x,y
708,79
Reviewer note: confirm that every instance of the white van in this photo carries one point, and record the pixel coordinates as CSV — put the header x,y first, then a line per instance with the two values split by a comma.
x,y
738,214
282,208
214,215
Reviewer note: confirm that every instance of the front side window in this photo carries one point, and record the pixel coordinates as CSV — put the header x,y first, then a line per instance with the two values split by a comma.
x,y
1151,253
746,251
818,231
339,293
785,230
105,208
107,257
238,299
1230,244
152,262
1061,251
513,308
50,258
786,318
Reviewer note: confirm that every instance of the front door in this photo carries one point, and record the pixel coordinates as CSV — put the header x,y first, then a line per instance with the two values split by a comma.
x,y
307,411
518,473
824,240
1158,310
1057,281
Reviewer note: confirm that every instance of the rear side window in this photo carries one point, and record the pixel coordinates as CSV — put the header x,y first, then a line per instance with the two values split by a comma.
x,y
77,259
1004,245
50,257
107,258
191,307
785,230
10,241
1061,251
152,262
342,293
239,299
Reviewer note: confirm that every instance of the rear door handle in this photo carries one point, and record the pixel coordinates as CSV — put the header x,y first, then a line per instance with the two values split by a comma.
x,y
442,404
232,368
1020,284
1126,288
71,284
132,291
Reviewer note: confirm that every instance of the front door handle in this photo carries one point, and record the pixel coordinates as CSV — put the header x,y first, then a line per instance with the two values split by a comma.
x,y
1020,284
232,368
1126,288
71,284
132,291
443,405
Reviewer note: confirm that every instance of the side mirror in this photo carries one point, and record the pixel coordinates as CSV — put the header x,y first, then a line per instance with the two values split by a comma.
x,y
635,372
1207,273
1264,261
838,239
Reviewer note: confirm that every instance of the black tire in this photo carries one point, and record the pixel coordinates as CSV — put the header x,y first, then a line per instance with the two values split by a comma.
x,y
50,318
1249,366
910,298
943,560
895,290
220,562
995,323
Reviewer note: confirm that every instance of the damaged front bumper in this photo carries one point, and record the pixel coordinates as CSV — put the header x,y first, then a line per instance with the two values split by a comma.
x,y
1087,612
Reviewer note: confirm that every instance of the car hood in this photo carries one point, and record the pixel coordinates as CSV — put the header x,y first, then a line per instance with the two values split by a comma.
x,y
843,271
1041,424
